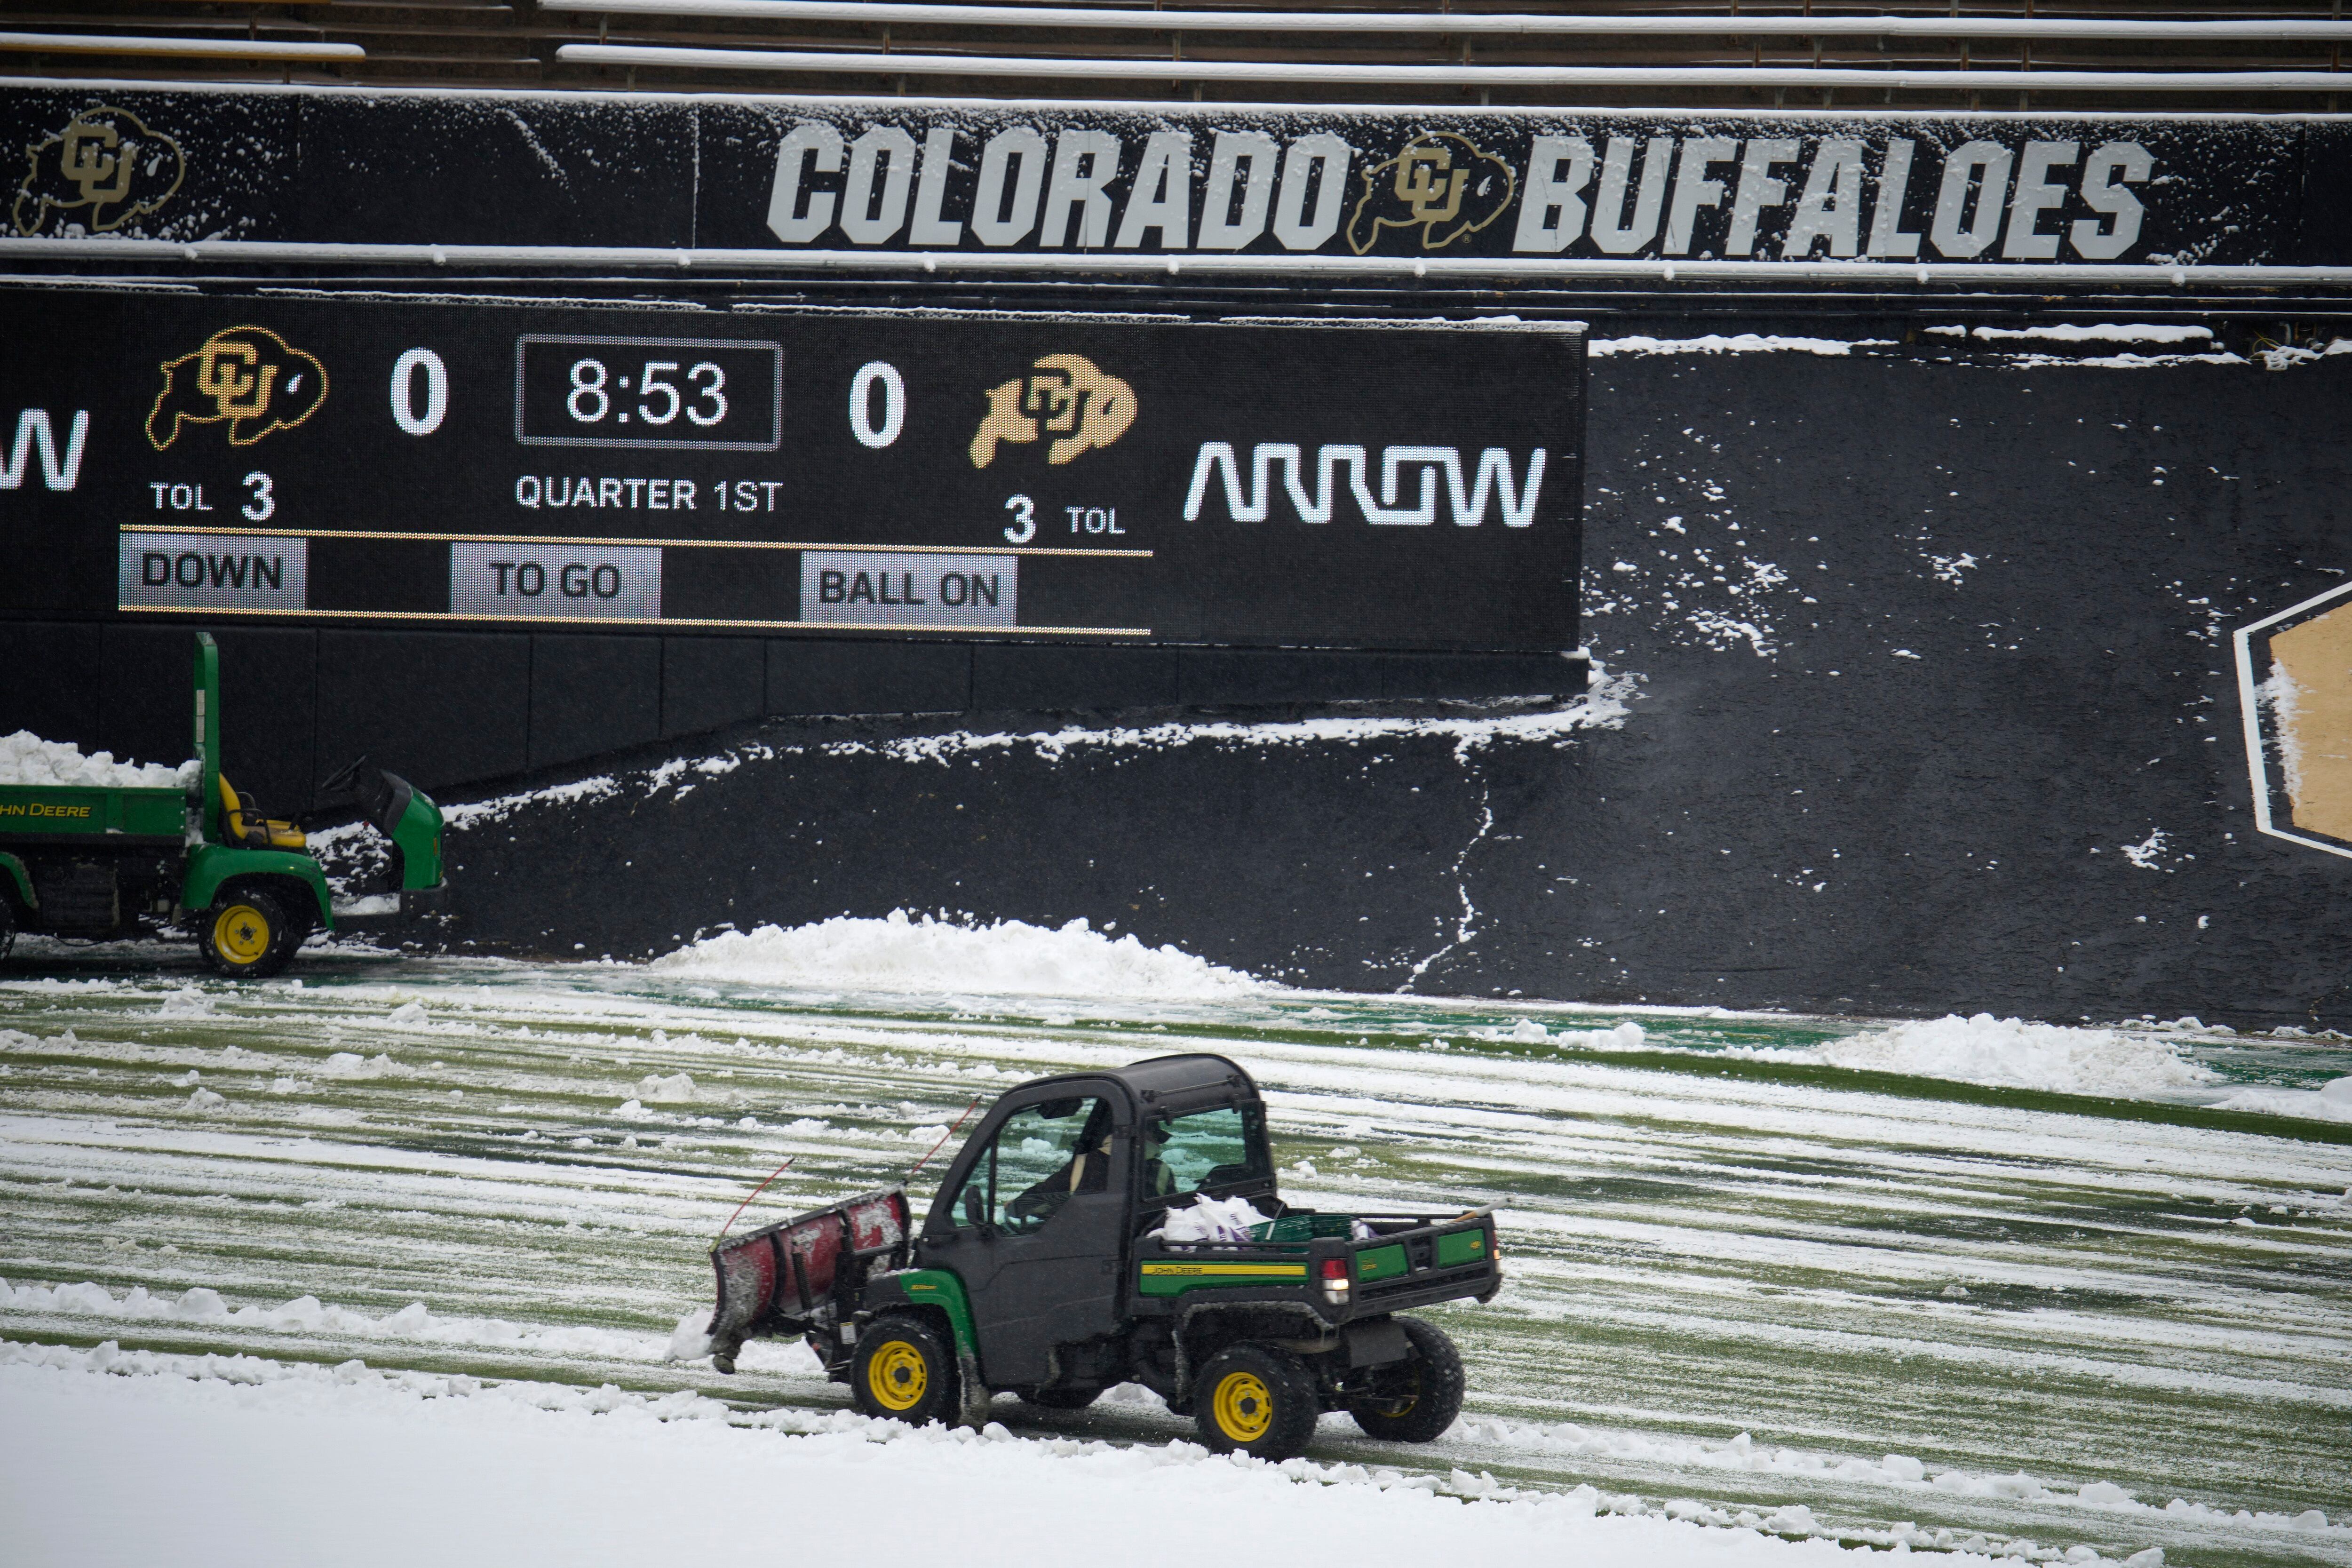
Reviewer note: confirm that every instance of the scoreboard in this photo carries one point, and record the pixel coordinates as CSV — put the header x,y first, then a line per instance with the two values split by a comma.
x,y
300,457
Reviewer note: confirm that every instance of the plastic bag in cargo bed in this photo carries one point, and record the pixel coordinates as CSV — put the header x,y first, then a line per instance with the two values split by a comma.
x,y
1213,1219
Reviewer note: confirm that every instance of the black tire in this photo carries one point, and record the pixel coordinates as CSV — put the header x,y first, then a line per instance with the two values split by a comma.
x,y
247,934
904,1370
1061,1398
1256,1400
1416,1399
301,924
8,924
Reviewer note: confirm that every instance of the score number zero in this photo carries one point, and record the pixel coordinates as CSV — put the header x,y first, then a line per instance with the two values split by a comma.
x,y
415,370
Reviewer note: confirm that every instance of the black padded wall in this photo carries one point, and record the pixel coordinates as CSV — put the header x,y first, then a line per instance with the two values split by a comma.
x,y
439,707
592,694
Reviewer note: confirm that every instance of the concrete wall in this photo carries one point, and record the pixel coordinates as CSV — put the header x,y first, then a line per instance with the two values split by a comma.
x,y
464,710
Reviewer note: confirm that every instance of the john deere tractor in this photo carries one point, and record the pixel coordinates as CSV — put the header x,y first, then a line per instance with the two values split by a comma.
x,y
118,862
1046,1267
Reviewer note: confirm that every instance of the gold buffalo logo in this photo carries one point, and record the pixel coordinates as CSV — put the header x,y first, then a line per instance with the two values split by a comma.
x,y
1441,183
102,171
1064,396
248,376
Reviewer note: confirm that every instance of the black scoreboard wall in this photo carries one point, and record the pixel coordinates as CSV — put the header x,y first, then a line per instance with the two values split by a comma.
x,y
492,539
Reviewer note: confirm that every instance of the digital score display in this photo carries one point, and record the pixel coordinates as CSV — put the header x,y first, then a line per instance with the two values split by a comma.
x,y
708,395
911,475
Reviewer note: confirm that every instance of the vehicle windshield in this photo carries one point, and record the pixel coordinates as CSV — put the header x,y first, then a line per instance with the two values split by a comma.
x,y
1207,1150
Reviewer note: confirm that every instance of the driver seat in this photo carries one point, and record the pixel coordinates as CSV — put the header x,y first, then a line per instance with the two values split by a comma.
x,y
247,826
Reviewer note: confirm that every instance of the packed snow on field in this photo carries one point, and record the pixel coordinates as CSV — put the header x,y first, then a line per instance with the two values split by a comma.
x,y
928,955
2012,1053
113,1457
2331,1101
26,759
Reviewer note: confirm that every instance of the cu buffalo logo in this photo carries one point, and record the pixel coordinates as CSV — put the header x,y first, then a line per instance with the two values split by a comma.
x,y
105,169
1440,184
1064,396
249,377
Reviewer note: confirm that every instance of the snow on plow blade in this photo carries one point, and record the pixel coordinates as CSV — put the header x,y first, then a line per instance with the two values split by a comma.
x,y
803,1275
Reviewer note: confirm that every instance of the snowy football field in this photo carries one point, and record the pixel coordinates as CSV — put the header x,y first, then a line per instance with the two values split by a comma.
x,y
391,1260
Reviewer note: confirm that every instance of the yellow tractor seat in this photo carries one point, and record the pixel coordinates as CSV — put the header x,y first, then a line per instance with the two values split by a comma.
x,y
255,831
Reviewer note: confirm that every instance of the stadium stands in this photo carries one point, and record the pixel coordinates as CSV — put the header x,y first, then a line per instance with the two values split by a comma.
x,y
1944,54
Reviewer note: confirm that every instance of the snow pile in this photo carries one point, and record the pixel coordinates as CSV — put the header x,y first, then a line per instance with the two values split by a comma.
x,y
26,759
2015,1053
187,1002
899,954
351,1064
690,1340
2331,1101
1625,1036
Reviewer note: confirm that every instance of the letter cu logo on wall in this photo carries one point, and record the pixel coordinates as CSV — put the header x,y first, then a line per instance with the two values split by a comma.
x,y
2295,685
1440,182
1065,396
248,376
105,169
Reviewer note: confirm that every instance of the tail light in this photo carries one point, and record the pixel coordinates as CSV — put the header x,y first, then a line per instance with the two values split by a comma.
x,y
1334,1280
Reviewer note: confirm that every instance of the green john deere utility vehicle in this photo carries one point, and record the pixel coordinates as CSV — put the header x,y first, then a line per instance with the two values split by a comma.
x,y
1044,1268
116,862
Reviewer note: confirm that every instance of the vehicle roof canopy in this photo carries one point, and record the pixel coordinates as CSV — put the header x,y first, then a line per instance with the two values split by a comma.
x,y
1170,1086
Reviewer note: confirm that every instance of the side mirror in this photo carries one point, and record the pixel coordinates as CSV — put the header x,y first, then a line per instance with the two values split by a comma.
x,y
975,1208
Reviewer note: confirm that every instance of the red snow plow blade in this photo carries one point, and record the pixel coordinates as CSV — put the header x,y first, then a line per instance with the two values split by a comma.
x,y
802,1276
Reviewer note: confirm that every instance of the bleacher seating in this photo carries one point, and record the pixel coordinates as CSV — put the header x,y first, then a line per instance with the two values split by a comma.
x,y
1944,54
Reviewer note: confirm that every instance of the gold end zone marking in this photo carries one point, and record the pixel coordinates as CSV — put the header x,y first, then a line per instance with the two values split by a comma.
x,y
1195,1270
982,549
990,634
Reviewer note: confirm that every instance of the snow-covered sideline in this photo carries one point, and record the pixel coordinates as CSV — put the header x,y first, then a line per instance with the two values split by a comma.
x,y
2015,1053
113,1457
26,759
930,956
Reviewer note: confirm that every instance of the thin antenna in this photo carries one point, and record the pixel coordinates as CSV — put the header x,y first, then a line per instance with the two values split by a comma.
x,y
943,1138
747,1203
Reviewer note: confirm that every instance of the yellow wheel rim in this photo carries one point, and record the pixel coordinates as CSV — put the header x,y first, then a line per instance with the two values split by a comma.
x,y
1396,1408
896,1376
1242,1406
241,933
